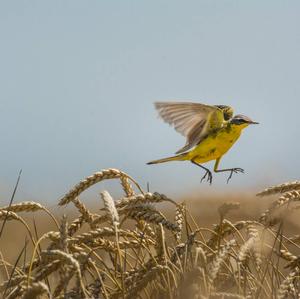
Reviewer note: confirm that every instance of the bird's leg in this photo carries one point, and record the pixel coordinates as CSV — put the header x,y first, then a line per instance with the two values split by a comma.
x,y
232,170
207,174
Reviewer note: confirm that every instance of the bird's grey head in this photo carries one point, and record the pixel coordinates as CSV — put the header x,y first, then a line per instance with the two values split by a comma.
x,y
242,120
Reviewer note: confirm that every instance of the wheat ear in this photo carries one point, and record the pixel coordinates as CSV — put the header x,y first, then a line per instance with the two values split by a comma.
x,y
282,200
287,284
216,263
9,215
282,188
143,199
97,177
149,214
35,290
29,206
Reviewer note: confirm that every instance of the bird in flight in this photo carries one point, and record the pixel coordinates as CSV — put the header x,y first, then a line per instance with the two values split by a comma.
x,y
210,132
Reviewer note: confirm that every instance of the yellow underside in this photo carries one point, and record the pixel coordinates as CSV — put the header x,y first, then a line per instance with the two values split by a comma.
x,y
214,146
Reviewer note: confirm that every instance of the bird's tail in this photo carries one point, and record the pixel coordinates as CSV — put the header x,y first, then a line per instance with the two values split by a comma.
x,y
173,158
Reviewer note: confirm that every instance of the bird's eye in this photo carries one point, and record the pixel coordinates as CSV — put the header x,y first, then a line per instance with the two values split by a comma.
x,y
239,121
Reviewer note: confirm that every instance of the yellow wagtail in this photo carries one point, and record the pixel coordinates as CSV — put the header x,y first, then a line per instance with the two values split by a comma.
x,y
210,132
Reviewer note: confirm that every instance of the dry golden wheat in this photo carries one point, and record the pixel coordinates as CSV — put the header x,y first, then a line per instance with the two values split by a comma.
x,y
130,249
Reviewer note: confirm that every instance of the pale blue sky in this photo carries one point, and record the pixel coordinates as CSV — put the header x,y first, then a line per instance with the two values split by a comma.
x,y
78,80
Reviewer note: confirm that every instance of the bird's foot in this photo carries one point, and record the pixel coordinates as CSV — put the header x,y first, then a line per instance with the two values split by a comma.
x,y
208,176
234,170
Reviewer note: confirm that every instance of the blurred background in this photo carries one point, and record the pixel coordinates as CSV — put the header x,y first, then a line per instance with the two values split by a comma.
x,y
78,80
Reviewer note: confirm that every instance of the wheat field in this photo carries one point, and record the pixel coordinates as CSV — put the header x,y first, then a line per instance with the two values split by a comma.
x,y
146,245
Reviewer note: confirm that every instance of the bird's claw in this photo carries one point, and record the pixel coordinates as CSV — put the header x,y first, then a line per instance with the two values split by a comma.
x,y
207,174
234,170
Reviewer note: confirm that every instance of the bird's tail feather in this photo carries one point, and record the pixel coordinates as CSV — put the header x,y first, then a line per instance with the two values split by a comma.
x,y
168,159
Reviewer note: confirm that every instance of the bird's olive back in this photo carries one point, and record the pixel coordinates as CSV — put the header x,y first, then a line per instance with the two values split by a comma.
x,y
227,111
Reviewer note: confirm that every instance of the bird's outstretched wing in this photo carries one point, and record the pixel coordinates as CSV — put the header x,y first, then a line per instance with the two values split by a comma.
x,y
192,120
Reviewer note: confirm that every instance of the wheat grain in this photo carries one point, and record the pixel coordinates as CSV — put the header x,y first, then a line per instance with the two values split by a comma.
x,y
145,228
9,215
126,186
143,199
75,225
85,213
287,255
179,219
64,234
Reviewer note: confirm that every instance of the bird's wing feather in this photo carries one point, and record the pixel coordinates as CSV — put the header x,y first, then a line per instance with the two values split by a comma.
x,y
192,120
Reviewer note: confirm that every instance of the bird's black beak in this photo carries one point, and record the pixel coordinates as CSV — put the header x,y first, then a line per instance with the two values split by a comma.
x,y
253,122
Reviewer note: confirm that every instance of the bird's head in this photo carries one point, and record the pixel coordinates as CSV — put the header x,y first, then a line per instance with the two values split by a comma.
x,y
242,121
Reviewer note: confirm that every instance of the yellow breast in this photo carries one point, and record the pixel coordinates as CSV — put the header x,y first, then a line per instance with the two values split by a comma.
x,y
215,145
